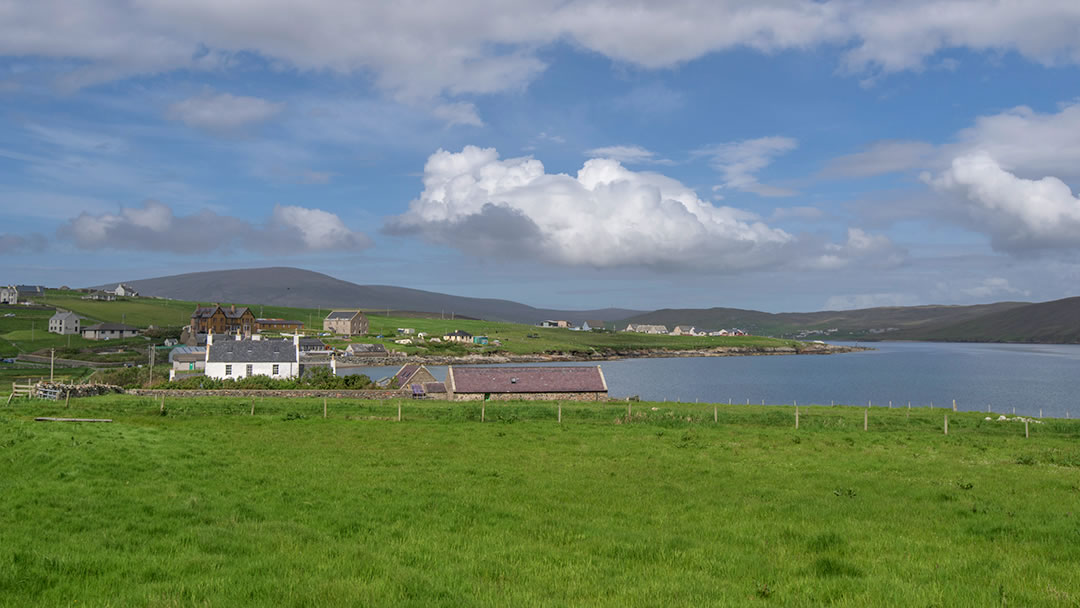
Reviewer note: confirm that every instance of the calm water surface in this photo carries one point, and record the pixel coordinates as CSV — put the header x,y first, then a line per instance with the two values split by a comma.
x,y
1004,376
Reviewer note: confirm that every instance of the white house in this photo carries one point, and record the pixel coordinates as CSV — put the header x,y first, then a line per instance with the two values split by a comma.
x,y
64,322
9,295
123,290
642,328
232,358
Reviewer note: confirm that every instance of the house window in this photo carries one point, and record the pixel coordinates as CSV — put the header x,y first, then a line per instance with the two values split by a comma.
x,y
250,369
228,370
276,367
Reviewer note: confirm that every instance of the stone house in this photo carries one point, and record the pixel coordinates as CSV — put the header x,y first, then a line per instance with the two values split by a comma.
x,y
412,374
642,328
232,358
64,322
346,322
9,295
366,350
576,383
219,320
123,290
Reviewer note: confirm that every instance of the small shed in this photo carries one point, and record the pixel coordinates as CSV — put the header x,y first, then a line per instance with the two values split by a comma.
x,y
578,383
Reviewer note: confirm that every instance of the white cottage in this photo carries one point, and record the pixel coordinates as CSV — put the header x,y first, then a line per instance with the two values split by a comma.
x,y
232,358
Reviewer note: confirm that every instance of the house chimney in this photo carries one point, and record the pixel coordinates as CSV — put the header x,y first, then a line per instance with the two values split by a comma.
x,y
296,345
232,308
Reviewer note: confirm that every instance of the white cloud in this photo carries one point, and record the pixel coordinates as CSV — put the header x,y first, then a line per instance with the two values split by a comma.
x,y
870,300
605,216
1018,214
459,113
739,161
860,245
803,213
154,227
1026,141
223,112
989,287
880,157
628,155
483,46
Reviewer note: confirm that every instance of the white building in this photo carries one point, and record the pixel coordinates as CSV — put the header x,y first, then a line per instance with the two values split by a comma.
x,y
64,322
9,295
232,358
123,290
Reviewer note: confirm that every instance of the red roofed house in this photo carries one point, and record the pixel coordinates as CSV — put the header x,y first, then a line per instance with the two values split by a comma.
x,y
471,383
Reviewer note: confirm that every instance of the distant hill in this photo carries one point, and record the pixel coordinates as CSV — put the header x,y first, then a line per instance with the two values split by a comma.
x,y
882,322
284,286
1055,322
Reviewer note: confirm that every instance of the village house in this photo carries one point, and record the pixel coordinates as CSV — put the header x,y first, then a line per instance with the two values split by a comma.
x,y
109,331
458,336
408,331
685,330
592,325
102,296
123,291
346,322
187,359
310,345
366,350
219,320
578,383
9,295
411,374
236,359
64,322
278,325
642,328
555,323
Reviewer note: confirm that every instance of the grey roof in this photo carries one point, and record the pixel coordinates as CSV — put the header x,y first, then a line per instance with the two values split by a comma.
x,y
65,315
186,352
111,327
342,314
460,334
253,351
30,288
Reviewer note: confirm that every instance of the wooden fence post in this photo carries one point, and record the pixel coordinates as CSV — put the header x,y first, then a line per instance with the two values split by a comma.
x,y
628,411
399,410
483,404
252,406
796,417
890,404
954,405
715,414
1026,429
946,424
161,409
324,407
560,412
1040,412
866,419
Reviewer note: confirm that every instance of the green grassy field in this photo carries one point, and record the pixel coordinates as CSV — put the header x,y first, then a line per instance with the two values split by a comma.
x,y
514,337
208,505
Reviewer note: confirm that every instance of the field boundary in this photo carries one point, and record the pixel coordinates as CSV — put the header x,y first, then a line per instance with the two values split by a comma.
x,y
284,393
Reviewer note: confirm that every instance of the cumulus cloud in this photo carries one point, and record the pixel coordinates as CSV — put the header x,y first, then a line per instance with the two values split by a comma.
x,y
21,243
154,227
628,155
739,161
483,46
860,245
223,112
1020,215
604,216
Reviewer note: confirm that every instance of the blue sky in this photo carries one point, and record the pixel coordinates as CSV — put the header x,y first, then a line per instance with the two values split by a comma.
x,y
783,156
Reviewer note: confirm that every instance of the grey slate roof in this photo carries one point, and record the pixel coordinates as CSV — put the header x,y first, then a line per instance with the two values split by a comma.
x,y
253,351
342,314
541,379
187,353
111,327
66,315
370,349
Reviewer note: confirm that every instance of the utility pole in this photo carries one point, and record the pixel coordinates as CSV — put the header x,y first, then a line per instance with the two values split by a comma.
x,y
152,349
52,361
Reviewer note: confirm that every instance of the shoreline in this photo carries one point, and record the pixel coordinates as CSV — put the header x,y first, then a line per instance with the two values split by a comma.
x,y
499,359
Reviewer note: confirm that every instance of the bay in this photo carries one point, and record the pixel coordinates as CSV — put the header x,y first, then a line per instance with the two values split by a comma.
x,y
1027,377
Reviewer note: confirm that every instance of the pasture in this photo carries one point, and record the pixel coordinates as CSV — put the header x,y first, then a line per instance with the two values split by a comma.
x,y
210,505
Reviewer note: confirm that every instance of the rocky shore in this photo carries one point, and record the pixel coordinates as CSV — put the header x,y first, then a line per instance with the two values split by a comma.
x,y
596,355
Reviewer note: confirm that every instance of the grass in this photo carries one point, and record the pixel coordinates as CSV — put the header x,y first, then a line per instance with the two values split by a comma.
x,y
208,505
515,338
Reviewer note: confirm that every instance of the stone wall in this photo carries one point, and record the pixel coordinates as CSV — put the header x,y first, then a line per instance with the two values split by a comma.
x,y
285,394
79,390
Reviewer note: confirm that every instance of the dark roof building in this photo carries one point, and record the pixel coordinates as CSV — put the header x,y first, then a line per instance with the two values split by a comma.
x,y
109,331
310,344
346,322
367,350
412,374
583,383
251,351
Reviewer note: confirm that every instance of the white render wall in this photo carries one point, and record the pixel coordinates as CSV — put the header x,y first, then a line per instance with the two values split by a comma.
x,y
286,369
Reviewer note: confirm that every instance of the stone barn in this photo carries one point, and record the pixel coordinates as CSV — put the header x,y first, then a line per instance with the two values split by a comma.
x,y
577,383
346,322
